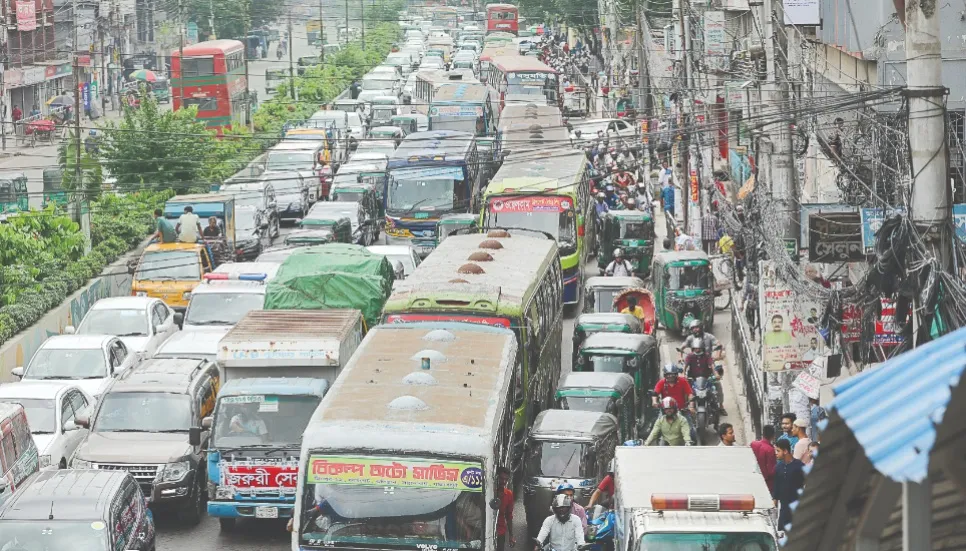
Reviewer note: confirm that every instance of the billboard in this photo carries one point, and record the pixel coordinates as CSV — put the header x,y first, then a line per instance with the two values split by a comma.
x,y
789,324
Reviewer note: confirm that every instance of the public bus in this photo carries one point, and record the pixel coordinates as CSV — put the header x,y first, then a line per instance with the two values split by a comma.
x,y
511,282
403,451
502,18
527,128
491,51
430,174
463,106
428,80
446,17
214,81
524,78
547,192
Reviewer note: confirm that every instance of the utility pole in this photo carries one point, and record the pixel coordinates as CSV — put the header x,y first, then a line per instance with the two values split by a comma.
x,y
321,35
102,81
291,60
346,22
683,149
248,98
362,9
79,210
181,65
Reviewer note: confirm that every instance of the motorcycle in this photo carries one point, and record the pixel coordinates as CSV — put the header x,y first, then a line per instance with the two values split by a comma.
x,y
600,530
706,405
547,547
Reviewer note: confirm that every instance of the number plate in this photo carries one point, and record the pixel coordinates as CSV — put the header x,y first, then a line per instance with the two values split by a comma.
x,y
266,512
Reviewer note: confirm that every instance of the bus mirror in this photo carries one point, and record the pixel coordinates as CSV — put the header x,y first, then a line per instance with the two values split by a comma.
x,y
495,504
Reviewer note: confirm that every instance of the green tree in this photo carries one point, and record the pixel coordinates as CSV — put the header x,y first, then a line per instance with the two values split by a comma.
x,y
150,147
232,17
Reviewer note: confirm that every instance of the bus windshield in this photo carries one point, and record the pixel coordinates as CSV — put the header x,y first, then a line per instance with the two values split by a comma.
x,y
389,504
534,84
434,190
552,214
702,541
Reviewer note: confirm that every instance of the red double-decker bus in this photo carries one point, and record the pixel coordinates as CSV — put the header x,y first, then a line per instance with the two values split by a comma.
x,y
214,81
502,18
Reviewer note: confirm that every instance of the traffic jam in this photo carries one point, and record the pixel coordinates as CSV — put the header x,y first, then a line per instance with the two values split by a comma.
x,y
363,339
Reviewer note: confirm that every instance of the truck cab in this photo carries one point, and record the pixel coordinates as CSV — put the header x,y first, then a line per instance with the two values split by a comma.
x,y
688,497
170,272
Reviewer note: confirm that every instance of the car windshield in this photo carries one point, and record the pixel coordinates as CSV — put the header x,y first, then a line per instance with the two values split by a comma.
x,y
427,194
383,517
604,363
636,229
556,459
143,412
348,195
28,535
127,322
221,308
603,299
41,414
701,541
66,363
169,265
598,404
377,84
257,420
682,278
289,160
546,214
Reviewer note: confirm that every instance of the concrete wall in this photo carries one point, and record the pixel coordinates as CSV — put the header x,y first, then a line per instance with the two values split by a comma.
x,y
114,281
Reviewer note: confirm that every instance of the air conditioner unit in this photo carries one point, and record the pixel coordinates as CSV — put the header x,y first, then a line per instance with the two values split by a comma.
x,y
753,46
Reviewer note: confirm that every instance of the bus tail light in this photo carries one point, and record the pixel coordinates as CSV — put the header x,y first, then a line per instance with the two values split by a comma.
x,y
703,502
580,230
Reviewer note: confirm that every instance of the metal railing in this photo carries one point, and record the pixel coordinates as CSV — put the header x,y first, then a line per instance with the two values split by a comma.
x,y
748,363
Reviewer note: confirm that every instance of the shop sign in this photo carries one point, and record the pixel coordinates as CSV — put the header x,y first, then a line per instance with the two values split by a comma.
x,y
832,233
851,324
887,333
26,15
959,221
84,60
34,75
13,78
399,472
56,71
871,222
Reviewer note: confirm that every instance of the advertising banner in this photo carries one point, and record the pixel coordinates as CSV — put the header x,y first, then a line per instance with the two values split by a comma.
x,y
26,15
886,331
871,222
477,320
789,325
249,475
959,221
802,12
714,33
409,473
531,204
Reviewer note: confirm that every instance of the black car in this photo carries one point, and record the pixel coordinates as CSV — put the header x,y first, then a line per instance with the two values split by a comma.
x,y
250,224
78,509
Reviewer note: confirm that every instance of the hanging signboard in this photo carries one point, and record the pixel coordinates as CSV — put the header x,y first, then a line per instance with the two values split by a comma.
x,y
886,331
959,221
714,33
26,15
851,324
871,222
802,12
789,324
832,233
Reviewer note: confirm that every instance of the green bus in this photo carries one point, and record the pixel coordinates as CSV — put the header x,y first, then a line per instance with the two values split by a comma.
x,y
13,193
547,192
501,279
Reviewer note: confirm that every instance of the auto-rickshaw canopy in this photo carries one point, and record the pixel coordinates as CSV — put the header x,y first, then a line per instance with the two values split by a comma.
x,y
573,425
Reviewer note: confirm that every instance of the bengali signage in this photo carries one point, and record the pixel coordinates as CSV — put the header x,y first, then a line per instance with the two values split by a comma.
x,y
959,221
802,12
714,33
531,204
476,320
409,473
248,475
790,332
832,233
887,332
26,15
872,220
456,111
851,324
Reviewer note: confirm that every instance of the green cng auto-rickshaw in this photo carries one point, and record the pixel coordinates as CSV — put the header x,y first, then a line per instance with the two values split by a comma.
x,y
309,237
636,355
340,227
565,446
161,90
588,324
631,231
605,393
362,192
54,193
13,193
599,292
683,289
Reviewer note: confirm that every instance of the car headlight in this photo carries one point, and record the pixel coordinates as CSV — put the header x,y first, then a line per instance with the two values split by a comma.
x,y
140,294
174,472
44,461
80,464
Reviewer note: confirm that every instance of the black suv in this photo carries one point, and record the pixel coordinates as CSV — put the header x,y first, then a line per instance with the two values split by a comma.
x,y
77,509
148,423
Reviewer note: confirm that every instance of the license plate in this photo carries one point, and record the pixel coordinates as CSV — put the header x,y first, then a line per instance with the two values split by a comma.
x,y
266,512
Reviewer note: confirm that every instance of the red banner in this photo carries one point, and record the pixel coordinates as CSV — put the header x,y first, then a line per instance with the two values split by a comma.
x,y
550,203
260,476
851,324
26,15
477,320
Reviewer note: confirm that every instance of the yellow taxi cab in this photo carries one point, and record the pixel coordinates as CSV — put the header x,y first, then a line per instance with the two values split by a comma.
x,y
170,271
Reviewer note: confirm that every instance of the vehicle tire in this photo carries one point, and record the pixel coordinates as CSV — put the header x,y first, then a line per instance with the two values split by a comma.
x,y
722,300
701,422
195,508
226,524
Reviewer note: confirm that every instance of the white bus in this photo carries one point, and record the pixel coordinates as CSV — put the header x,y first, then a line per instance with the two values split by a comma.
x,y
402,453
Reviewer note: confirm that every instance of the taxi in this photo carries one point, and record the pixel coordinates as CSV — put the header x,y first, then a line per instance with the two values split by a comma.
x,y
170,271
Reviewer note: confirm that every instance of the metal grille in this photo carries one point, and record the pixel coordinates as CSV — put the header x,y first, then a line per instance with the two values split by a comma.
x,y
143,474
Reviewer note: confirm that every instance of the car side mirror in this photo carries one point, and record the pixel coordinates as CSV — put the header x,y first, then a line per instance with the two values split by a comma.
x,y
17,372
194,436
70,426
82,421
70,330
179,319
206,423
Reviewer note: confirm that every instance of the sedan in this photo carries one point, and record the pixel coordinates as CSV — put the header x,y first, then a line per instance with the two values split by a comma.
x,y
91,360
51,408
142,323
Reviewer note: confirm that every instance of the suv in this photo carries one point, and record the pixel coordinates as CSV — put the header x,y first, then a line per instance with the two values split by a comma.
x,y
82,509
149,423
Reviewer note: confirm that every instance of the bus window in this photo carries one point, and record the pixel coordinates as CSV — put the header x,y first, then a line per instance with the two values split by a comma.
x,y
204,104
198,66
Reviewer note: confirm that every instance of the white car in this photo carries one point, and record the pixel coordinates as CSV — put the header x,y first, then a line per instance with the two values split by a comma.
x,y
193,345
51,408
405,254
229,293
142,323
93,361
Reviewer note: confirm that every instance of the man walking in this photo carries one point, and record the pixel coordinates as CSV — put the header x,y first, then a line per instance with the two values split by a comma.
x,y
802,450
765,454
504,517
789,479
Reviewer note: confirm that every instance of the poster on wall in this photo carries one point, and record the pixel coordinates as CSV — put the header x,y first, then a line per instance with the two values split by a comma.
x,y
789,324
26,15
802,12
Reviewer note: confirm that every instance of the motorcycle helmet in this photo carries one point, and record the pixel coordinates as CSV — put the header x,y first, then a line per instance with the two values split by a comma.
x,y
695,327
566,486
618,253
671,369
397,269
669,403
601,195
631,203
562,504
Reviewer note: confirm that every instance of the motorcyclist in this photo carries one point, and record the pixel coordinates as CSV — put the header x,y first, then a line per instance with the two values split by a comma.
x,y
673,386
563,528
623,178
643,196
279,51
619,267
601,205
613,201
705,348
577,509
630,203
672,427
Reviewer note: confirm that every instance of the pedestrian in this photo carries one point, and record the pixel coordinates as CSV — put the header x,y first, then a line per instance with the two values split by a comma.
x,y
726,433
16,114
258,51
164,231
802,451
750,298
709,231
765,454
667,197
816,413
189,226
789,479
35,111
788,429
504,515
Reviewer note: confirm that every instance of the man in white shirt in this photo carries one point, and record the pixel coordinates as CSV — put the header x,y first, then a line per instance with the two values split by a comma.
x,y
726,432
189,226
562,527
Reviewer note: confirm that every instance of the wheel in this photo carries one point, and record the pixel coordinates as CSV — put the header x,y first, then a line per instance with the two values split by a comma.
x,y
227,524
722,300
701,420
195,509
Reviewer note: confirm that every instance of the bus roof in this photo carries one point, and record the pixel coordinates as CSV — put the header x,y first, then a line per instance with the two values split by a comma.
x,y
540,172
434,145
497,50
408,408
519,63
529,128
462,91
210,47
488,287
500,7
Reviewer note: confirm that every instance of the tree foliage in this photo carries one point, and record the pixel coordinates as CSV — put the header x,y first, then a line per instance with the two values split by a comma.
x,y
233,18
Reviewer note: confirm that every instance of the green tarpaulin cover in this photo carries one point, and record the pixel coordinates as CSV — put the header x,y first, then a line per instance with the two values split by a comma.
x,y
336,275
